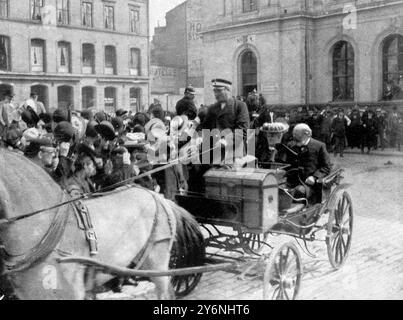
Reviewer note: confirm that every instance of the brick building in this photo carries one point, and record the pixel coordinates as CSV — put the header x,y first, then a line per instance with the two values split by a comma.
x,y
82,53
306,51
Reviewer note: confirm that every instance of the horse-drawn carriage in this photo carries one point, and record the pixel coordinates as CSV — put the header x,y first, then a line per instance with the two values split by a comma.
x,y
253,206
240,212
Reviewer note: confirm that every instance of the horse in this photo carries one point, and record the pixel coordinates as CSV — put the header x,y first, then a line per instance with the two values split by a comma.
x,y
131,224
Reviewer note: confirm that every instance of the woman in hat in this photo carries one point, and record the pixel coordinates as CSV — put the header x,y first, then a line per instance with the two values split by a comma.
x,y
80,182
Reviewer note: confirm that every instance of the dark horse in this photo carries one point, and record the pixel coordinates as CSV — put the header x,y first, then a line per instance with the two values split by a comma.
x,y
126,221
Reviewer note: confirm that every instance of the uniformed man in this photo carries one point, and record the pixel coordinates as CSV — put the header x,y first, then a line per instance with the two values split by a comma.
x,y
42,152
228,114
186,105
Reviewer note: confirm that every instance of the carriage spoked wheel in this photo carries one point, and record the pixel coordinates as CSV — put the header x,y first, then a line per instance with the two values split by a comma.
x,y
282,278
340,230
180,258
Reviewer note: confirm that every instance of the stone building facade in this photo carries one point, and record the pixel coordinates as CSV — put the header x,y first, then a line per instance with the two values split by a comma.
x,y
177,53
77,53
306,51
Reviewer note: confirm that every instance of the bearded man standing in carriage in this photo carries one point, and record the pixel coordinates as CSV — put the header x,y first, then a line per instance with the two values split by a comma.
x,y
228,114
224,128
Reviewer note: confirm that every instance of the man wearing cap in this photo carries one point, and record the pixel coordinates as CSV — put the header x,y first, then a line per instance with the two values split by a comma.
x,y
186,105
339,130
42,152
227,113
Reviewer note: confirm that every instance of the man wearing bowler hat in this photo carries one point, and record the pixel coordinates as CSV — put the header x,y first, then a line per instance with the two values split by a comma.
x,y
186,105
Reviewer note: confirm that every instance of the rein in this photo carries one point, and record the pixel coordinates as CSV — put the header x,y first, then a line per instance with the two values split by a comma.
x,y
90,195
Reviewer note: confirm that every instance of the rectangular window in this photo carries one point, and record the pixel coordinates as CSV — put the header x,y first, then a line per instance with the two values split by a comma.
x,y
134,20
86,12
110,60
88,58
36,8
63,57
4,53
110,100
249,5
4,8
134,62
109,17
37,55
63,11
135,99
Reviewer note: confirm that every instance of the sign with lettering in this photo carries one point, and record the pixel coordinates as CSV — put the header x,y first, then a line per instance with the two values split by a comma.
x,y
194,29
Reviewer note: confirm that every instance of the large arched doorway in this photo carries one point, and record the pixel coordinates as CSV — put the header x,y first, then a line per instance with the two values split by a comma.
x,y
248,67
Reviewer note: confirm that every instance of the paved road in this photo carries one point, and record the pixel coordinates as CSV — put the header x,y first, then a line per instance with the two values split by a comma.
x,y
375,266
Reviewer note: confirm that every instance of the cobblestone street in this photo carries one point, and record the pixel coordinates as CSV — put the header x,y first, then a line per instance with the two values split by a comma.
x,y
374,269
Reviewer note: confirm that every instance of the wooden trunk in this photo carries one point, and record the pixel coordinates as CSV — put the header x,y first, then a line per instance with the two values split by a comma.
x,y
255,189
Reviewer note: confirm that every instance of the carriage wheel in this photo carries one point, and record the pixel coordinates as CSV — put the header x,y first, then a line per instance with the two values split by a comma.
x,y
340,230
183,285
282,278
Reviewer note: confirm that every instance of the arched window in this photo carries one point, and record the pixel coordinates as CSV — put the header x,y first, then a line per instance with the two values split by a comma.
x,y
5,53
343,71
393,67
248,72
110,60
135,69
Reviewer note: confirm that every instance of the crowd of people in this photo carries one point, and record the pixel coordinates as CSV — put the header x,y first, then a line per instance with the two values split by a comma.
x,y
84,151
366,129
89,151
